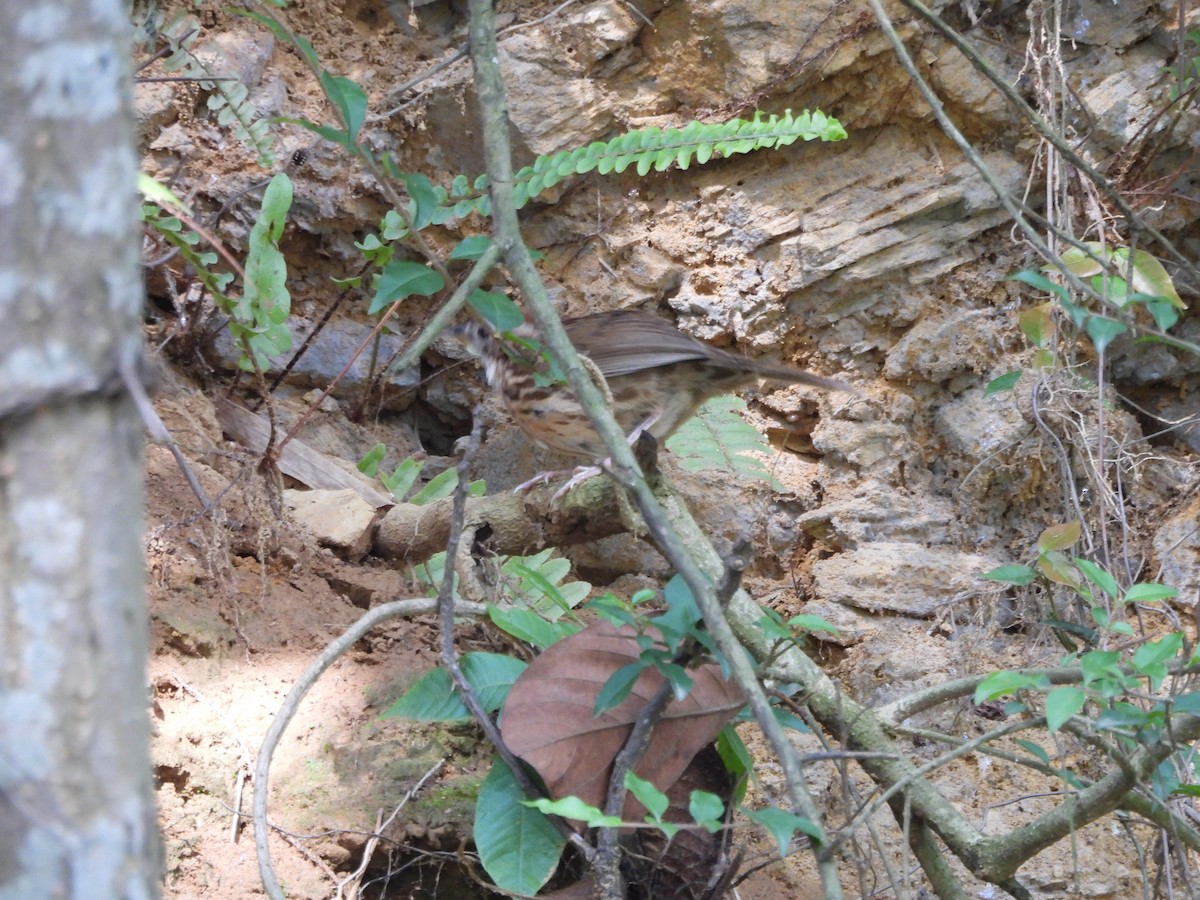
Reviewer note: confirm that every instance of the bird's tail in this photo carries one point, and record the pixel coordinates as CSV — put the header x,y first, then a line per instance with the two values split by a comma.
x,y
798,376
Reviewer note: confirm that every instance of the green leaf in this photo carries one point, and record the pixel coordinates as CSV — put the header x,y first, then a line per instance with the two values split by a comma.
x,y
612,610
648,795
1041,282
282,33
492,675
1058,569
617,687
439,487
1084,263
708,810
403,278
1098,577
1186,703
1149,593
402,479
432,697
1100,670
1018,575
790,720
1005,382
1122,716
574,808
1083,632
160,193
1151,658
783,824
369,464
472,247
1153,654
1006,682
773,628
811,623
1036,750
497,309
1043,359
333,135
350,100
1037,324
1150,278
265,300
737,760
539,589
682,612
393,227
1059,537
1165,315
717,437
424,199
680,680
1061,704
528,626
1103,331
518,846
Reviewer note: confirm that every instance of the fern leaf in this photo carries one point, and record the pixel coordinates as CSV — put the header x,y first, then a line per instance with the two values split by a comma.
x,y
229,100
646,149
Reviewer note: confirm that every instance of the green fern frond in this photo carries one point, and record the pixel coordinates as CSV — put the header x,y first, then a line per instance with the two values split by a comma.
x,y
646,149
186,241
717,437
230,100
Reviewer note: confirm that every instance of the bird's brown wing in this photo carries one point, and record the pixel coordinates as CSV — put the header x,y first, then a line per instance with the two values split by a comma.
x,y
628,341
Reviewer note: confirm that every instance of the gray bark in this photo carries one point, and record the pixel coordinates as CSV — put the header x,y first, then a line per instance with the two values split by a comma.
x,y
76,798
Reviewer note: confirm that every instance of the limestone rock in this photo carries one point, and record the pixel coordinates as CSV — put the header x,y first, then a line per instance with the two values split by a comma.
x,y
328,354
341,520
879,513
979,426
1177,545
906,578
939,348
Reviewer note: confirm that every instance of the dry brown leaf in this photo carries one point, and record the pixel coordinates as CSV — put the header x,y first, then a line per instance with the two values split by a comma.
x,y
548,717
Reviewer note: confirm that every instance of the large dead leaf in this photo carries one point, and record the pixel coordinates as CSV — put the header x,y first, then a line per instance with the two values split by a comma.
x,y
548,717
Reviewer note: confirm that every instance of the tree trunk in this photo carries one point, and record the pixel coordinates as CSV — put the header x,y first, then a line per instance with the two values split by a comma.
x,y
76,797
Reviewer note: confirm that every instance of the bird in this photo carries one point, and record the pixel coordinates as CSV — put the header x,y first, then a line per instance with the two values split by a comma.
x,y
657,376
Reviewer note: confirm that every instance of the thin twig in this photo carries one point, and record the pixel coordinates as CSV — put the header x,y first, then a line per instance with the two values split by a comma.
x,y
237,805
158,431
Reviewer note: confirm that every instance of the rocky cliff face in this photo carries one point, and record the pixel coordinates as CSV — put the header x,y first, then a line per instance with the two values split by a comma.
x,y
880,259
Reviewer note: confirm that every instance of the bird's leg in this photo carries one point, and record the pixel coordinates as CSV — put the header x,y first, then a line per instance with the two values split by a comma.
x,y
542,478
583,473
